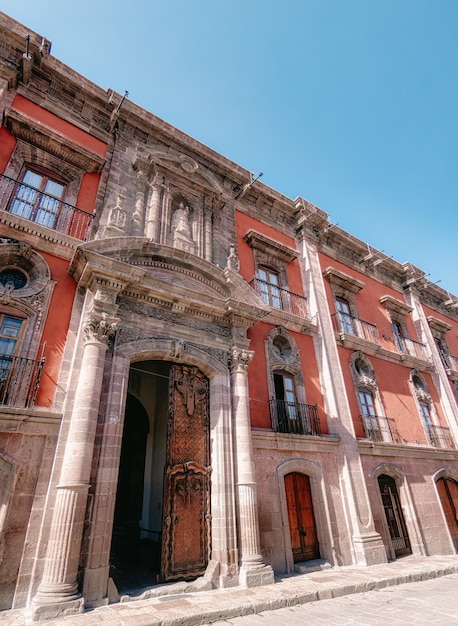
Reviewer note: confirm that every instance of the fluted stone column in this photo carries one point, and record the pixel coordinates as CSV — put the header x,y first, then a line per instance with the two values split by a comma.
x,y
153,212
58,592
253,571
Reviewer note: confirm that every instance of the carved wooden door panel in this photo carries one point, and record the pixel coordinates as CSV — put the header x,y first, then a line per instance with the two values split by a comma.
x,y
186,518
304,540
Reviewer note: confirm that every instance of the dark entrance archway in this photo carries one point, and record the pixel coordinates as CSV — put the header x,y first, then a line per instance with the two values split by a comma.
x,y
394,515
162,514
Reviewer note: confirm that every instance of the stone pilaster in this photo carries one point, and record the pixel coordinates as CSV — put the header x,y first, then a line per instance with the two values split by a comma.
x,y
58,592
366,544
253,571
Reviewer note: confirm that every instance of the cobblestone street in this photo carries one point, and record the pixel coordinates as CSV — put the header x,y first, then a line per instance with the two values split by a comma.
x,y
427,602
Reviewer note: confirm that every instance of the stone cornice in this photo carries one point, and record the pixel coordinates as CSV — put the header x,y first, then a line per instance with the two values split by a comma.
x,y
388,450
267,439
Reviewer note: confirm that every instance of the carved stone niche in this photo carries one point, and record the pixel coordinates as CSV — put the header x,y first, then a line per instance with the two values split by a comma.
x,y
182,225
362,371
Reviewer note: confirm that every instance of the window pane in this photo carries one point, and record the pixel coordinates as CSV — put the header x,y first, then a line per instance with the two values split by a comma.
x,y
53,188
10,327
33,179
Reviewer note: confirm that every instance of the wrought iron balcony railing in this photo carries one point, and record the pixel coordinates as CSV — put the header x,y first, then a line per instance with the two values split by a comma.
x,y
378,429
438,436
345,323
279,298
294,418
19,380
27,202
411,347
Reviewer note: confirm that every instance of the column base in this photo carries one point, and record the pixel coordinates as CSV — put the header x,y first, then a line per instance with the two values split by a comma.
x,y
256,575
369,549
52,610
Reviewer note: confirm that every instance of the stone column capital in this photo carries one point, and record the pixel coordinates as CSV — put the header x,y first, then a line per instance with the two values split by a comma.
x,y
239,359
99,328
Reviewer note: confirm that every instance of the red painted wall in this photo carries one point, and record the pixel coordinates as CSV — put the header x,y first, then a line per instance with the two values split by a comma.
x,y
7,145
55,328
57,124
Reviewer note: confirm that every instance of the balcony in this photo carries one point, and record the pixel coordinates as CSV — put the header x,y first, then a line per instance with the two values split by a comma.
x,y
27,202
279,298
411,348
294,418
438,436
381,429
349,325
19,381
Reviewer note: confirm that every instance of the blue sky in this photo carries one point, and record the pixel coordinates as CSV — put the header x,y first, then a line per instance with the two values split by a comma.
x,y
352,104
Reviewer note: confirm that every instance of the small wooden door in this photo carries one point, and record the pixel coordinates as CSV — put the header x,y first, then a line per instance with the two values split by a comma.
x,y
448,493
394,515
302,527
186,517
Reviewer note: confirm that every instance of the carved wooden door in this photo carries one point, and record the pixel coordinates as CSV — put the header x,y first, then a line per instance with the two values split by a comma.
x,y
186,518
304,541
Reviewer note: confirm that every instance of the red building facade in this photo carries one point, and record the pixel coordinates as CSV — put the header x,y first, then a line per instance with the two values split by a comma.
x,y
201,379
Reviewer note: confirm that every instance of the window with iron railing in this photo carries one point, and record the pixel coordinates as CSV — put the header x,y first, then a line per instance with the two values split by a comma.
x,y
279,298
39,198
345,323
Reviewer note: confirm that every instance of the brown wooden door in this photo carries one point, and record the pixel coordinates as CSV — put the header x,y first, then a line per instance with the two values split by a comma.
x,y
302,526
186,518
394,515
448,493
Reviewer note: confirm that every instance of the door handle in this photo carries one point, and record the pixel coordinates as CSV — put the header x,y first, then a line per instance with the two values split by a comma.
x,y
302,533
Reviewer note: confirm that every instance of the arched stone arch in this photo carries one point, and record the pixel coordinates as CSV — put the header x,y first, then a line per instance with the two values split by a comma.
x,y
320,506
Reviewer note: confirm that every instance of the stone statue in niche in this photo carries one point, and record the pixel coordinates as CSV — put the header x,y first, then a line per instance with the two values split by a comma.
x,y
181,228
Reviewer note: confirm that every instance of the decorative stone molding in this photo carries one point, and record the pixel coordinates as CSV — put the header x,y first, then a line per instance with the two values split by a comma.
x,y
438,325
43,137
393,304
270,247
342,280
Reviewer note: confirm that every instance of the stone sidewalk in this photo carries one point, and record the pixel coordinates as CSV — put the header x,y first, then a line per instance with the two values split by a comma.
x,y
205,607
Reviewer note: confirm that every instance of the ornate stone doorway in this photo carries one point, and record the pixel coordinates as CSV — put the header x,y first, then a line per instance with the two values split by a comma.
x,y
162,517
